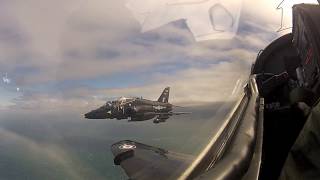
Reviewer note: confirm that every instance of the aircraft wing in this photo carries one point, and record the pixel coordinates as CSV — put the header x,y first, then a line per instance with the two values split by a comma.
x,y
171,113
141,161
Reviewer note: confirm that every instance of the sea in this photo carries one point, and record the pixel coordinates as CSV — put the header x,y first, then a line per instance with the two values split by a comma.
x,y
66,146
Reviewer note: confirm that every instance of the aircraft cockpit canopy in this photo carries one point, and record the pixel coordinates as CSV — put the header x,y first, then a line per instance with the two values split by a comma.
x,y
125,99
108,104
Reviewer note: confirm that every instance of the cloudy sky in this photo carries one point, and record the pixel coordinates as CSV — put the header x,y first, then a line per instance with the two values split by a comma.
x,y
75,54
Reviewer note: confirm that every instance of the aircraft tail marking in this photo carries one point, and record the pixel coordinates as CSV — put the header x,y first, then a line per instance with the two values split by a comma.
x,y
165,95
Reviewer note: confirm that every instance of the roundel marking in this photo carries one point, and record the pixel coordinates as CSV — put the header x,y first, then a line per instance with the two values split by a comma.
x,y
127,146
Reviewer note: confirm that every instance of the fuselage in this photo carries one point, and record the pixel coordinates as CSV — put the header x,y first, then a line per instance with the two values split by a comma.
x,y
137,109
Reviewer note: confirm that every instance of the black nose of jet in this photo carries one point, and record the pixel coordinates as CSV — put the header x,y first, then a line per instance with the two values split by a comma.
x,y
88,115
97,114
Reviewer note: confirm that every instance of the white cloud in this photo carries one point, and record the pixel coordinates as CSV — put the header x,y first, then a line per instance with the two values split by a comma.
x,y
62,40
192,86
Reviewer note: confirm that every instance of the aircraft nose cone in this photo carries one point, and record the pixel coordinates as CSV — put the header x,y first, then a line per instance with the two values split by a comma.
x,y
96,114
88,115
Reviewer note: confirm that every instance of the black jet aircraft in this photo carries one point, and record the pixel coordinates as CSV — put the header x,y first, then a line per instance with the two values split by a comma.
x,y
137,109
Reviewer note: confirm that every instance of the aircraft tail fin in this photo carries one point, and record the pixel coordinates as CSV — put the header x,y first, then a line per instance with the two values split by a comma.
x,y
165,95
